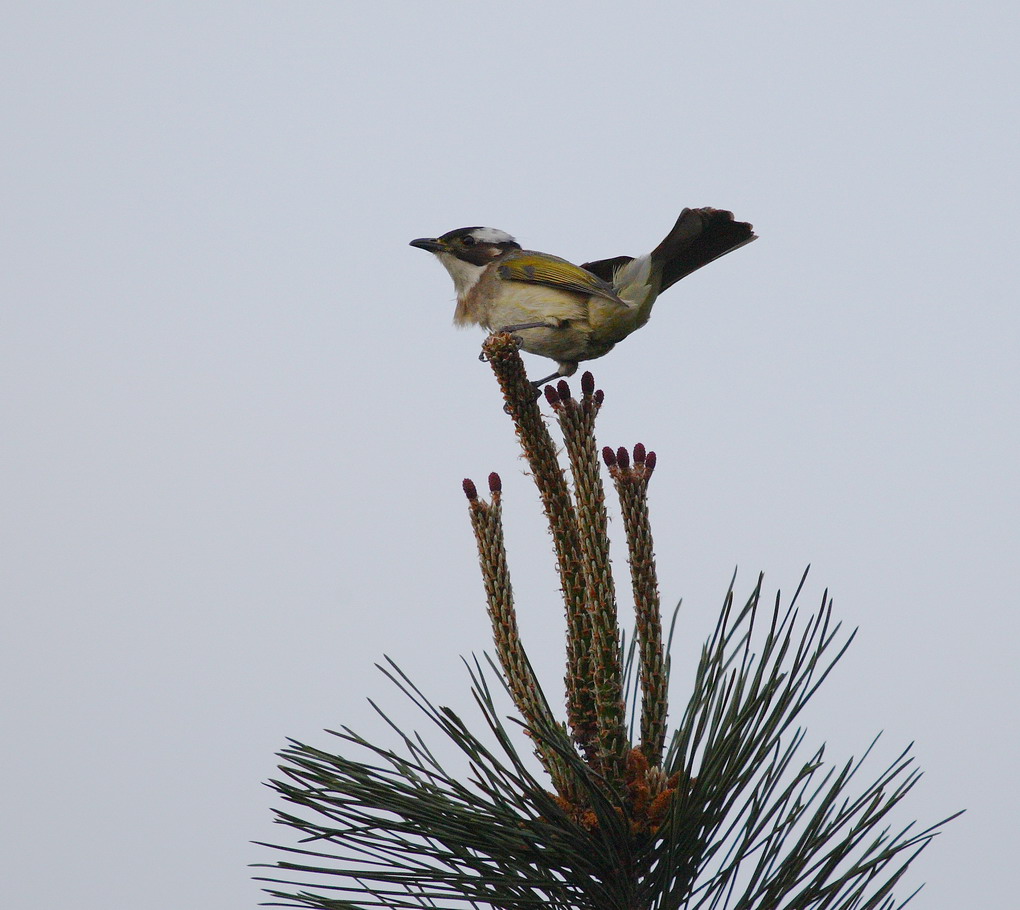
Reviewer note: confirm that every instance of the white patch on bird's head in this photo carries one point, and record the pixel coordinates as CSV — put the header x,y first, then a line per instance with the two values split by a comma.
x,y
491,235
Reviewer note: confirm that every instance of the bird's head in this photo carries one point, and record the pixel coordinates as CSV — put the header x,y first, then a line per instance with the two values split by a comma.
x,y
466,252
477,245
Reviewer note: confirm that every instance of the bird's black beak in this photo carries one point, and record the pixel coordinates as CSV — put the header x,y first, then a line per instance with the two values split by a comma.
x,y
431,244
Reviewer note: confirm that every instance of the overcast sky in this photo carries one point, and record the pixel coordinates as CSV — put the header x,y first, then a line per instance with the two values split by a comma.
x,y
236,415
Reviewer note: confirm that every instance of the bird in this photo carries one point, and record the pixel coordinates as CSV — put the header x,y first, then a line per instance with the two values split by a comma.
x,y
572,313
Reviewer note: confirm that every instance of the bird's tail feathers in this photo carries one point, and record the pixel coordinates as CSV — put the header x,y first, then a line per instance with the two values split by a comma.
x,y
698,237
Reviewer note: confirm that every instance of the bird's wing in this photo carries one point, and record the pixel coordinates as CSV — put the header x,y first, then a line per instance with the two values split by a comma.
x,y
553,272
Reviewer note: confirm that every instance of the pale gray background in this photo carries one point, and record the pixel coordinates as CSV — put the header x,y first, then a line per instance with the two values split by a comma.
x,y
236,416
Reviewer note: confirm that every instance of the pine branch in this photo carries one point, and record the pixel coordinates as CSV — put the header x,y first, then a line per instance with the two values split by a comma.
x,y
632,488
577,422
486,521
538,448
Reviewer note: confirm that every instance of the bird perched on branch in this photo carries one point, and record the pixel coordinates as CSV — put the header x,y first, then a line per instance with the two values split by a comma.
x,y
572,313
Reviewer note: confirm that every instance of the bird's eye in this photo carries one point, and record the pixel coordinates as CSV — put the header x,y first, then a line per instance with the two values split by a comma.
x,y
468,240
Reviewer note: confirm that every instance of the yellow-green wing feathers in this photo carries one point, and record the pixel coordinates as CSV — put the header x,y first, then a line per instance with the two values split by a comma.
x,y
551,271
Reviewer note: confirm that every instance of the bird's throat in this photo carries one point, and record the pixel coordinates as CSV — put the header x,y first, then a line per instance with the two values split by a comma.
x,y
465,275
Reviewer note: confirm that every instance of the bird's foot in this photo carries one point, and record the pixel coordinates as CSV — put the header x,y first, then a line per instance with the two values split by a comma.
x,y
538,383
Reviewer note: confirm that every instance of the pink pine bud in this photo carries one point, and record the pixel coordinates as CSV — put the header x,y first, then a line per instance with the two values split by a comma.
x,y
551,396
639,454
470,490
649,464
623,458
564,390
587,383
495,484
609,457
